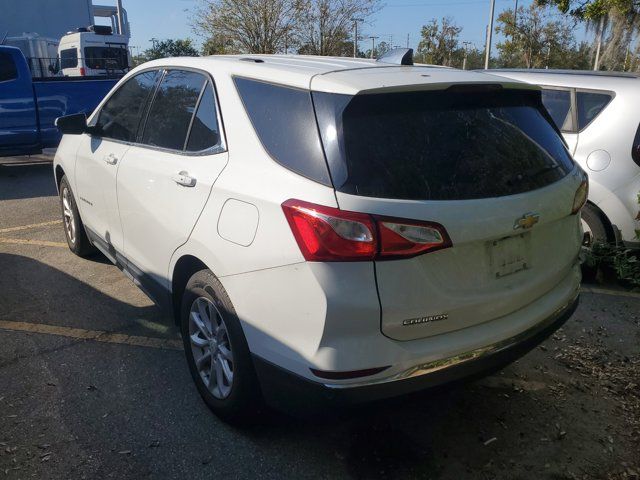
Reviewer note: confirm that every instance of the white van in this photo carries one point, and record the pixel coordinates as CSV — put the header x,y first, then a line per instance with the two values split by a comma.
x,y
93,51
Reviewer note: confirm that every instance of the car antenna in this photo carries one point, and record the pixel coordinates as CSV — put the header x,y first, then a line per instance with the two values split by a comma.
x,y
397,56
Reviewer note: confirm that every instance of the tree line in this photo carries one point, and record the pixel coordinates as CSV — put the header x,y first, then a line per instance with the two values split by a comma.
x,y
537,36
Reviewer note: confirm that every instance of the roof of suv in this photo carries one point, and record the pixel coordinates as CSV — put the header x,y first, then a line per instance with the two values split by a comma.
x,y
336,74
598,80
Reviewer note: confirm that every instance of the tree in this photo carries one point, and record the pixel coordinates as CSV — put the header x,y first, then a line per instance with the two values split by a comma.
x,y
170,48
326,25
251,26
536,41
218,45
439,43
379,50
620,22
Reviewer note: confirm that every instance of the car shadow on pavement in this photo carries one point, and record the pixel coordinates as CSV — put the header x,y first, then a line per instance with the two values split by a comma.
x,y
20,181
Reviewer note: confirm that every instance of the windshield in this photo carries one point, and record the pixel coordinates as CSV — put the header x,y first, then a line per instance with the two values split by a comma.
x,y
440,145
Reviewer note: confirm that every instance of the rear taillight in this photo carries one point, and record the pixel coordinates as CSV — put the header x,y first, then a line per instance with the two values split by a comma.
x,y
82,72
326,234
580,198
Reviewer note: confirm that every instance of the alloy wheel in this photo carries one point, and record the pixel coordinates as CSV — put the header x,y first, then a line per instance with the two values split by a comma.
x,y
67,212
210,347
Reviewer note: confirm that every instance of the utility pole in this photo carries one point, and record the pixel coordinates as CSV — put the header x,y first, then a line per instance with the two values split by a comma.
x,y
515,15
153,41
596,63
466,52
407,40
373,44
355,35
487,53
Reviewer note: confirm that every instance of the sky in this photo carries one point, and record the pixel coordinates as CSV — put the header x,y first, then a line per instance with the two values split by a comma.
x,y
163,19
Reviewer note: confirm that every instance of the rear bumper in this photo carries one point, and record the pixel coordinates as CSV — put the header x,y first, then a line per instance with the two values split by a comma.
x,y
287,390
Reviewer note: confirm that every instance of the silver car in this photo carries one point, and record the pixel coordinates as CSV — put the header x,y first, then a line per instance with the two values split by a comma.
x,y
599,116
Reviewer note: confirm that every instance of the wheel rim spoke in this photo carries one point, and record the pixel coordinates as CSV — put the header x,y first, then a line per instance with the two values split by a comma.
x,y
202,361
199,323
198,341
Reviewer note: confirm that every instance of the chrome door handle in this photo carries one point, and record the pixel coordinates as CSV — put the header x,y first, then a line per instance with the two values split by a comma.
x,y
111,159
183,178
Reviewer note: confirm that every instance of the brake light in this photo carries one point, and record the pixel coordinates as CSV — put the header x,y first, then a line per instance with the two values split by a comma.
x,y
82,72
327,234
580,198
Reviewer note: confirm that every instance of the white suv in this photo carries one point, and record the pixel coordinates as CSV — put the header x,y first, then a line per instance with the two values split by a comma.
x,y
325,228
600,120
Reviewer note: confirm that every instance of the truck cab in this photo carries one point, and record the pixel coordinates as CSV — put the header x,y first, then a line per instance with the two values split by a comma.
x,y
93,51
29,105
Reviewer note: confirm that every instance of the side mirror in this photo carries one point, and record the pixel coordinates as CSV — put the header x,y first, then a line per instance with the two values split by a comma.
x,y
74,124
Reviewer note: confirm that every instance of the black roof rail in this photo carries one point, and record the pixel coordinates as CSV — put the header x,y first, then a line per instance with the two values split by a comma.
x,y
397,56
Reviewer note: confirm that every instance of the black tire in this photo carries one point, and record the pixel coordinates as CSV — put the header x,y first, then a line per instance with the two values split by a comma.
x,y
599,231
244,400
77,237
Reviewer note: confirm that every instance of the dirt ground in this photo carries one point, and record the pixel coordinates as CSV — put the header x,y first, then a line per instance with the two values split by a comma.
x,y
77,407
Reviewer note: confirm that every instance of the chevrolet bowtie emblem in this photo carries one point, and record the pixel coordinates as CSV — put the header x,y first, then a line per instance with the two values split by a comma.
x,y
527,221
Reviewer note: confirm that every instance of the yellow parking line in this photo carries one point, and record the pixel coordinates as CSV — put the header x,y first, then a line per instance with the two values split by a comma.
x,y
95,335
27,227
42,243
615,293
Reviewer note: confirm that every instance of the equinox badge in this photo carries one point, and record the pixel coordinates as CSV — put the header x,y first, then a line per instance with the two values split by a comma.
x,y
527,221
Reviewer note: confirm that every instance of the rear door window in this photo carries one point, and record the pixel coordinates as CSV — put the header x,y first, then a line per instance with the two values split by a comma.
x,y
69,58
590,104
444,145
172,109
120,116
8,69
558,104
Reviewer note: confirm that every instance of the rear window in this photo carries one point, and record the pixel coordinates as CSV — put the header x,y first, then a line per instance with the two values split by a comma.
x,y
69,58
442,145
284,120
590,104
106,58
7,67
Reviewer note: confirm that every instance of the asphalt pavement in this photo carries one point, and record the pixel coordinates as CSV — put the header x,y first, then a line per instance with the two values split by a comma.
x,y
94,384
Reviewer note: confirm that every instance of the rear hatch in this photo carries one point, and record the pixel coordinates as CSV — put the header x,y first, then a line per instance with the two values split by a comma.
x,y
484,162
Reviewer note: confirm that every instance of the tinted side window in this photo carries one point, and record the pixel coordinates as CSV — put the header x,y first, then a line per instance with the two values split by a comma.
x,y
558,103
69,58
172,109
590,104
7,67
121,114
204,132
284,120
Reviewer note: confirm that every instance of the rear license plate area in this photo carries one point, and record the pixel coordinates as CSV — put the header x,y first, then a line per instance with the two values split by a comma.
x,y
509,255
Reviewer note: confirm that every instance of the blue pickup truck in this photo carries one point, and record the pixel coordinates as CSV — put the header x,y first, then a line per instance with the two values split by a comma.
x,y
29,106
